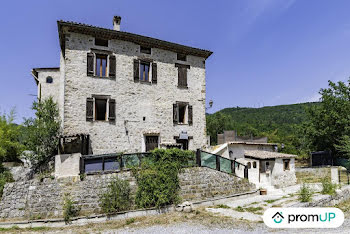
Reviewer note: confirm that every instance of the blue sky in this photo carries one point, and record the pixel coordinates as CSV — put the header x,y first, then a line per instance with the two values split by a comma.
x,y
266,52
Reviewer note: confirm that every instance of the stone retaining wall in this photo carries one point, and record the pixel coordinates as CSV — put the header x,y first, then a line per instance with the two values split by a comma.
x,y
38,200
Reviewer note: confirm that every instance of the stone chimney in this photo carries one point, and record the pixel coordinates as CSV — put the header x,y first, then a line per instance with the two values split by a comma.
x,y
116,22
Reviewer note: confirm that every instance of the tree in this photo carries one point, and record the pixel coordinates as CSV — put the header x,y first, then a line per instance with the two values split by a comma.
x,y
217,123
329,122
43,132
10,146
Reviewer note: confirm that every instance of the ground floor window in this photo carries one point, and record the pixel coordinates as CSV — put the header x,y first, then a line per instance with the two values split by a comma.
x,y
151,142
183,142
286,164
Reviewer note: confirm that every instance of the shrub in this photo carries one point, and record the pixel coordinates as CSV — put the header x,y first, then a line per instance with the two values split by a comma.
x,y
305,193
117,196
5,177
69,209
157,178
328,187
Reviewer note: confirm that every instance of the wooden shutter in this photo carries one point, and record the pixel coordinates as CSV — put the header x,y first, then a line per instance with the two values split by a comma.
x,y
182,74
154,73
175,115
111,116
89,109
112,65
90,64
136,70
190,115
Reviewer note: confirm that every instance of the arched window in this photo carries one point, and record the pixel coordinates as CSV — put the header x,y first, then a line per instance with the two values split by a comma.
x,y
254,164
49,79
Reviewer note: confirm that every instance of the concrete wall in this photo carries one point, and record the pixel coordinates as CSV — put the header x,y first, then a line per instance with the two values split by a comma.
x,y
49,89
283,178
238,149
134,101
33,199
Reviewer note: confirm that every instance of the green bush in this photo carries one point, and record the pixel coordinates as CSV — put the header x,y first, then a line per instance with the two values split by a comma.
x,y
117,196
5,177
157,178
69,209
305,193
328,187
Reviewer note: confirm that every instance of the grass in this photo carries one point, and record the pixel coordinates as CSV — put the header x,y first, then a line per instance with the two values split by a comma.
x,y
200,216
271,201
345,207
222,206
254,210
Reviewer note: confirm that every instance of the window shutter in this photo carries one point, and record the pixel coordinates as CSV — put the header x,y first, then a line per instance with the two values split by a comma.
x,y
136,70
90,64
175,115
190,115
182,74
89,109
112,65
154,73
111,116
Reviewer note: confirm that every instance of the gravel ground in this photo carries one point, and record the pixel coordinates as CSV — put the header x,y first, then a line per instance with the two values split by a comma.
x,y
201,229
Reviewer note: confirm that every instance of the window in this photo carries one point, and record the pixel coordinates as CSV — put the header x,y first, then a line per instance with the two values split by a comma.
x,y
145,50
182,113
267,166
101,65
249,165
100,109
151,143
181,57
182,74
144,71
49,80
286,164
101,42
183,142
254,164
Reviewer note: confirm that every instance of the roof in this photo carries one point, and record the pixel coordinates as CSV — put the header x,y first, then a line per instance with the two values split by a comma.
x,y
261,154
126,36
250,143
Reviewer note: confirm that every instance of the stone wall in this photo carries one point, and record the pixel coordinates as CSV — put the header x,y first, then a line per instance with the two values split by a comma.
x,y
38,200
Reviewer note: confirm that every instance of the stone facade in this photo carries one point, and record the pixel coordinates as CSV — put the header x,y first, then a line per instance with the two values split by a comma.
x,y
142,108
34,199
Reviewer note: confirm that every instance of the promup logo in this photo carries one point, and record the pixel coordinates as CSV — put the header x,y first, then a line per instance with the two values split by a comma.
x,y
303,217
278,217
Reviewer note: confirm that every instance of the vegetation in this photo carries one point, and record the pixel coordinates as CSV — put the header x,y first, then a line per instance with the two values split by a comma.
x,y
117,197
157,178
42,132
10,138
328,124
328,187
5,177
69,209
281,124
305,193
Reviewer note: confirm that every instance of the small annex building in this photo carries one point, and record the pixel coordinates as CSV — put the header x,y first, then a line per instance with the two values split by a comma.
x,y
266,166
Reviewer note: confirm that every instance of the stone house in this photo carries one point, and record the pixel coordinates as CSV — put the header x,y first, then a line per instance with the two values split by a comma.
x,y
126,92
266,167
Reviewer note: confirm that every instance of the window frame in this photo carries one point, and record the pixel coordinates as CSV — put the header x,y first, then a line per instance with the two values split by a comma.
x,y
185,113
99,56
284,167
106,108
145,141
144,64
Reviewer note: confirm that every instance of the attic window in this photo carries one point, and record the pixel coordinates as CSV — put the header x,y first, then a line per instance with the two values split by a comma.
x,y
181,57
49,80
145,50
101,42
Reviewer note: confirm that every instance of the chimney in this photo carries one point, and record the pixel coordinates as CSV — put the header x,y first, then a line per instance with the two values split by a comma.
x,y
116,22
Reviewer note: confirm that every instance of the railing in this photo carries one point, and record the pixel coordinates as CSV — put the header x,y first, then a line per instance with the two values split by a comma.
x,y
91,164
219,163
110,162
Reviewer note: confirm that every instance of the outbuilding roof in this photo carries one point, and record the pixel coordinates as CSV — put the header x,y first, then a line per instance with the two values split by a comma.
x,y
261,154
126,36
250,143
